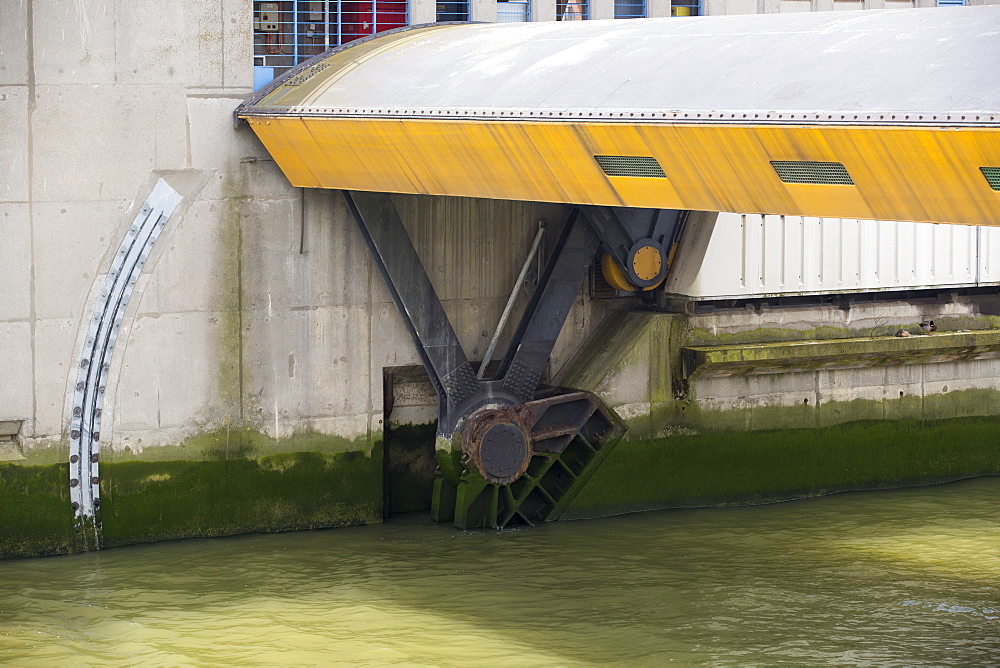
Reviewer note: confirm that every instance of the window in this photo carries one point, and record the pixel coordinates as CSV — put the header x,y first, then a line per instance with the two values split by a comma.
x,y
685,8
630,9
513,12
572,10
457,10
289,32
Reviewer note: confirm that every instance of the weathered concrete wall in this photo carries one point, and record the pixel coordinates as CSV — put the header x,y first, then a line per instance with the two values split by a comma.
x,y
871,412
98,96
245,388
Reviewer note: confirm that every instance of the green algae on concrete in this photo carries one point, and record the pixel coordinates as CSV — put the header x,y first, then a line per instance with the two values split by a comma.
x,y
35,513
679,453
702,336
687,417
242,442
240,481
219,483
884,350
159,500
715,469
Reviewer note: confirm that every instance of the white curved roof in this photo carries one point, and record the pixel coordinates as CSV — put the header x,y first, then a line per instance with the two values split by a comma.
x,y
917,66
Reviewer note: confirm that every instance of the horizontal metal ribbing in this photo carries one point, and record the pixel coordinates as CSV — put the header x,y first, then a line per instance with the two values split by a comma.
x,y
741,117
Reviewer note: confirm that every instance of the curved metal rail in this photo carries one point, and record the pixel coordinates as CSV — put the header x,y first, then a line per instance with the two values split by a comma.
x,y
95,361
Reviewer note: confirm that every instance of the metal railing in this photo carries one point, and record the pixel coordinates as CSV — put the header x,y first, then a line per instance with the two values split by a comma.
x,y
513,12
572,10
455,10
288,32
630,9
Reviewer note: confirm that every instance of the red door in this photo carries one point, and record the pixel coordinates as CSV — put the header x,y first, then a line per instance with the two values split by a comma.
x,y
358,19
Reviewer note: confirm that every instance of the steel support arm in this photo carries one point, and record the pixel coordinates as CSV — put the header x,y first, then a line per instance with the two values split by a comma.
x,y
489,425
396,259
529,350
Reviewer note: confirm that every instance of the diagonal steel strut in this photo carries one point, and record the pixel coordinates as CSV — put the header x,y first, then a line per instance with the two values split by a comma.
x,y
452,376
524,362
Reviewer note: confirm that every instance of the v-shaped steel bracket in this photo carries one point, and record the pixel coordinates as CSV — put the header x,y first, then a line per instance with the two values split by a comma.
x,y
492,429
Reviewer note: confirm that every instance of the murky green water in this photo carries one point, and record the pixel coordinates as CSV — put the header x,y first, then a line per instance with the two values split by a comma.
x,y
889,578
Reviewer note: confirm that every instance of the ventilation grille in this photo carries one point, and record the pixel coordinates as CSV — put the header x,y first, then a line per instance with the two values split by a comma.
x,y
816,173
630,165
992,175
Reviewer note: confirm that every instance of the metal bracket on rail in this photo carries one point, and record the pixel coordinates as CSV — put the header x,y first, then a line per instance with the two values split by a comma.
x,y
639,244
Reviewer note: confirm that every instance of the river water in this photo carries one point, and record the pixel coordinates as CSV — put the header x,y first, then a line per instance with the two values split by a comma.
x,y
883,578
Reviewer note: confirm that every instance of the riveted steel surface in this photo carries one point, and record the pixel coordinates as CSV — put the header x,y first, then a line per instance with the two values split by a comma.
x,y
927,66
566,436
520,111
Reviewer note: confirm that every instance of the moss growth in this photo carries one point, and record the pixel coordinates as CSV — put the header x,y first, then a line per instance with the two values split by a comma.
x,y
688,417
213,484
449,457
246,443
700,336
41,452
157,500
35,513
766,466
841,353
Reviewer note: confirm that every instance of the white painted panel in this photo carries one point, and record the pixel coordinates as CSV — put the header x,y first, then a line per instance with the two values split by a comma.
x,y
753,255
989,255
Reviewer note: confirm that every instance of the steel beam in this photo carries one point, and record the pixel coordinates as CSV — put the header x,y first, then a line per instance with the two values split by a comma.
x,y
528,352
488,430
452,376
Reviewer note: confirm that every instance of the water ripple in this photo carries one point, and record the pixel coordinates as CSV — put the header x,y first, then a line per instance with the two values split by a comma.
x,y
889,578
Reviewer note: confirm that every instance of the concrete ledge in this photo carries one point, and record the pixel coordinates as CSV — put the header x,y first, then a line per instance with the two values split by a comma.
x,y
750,358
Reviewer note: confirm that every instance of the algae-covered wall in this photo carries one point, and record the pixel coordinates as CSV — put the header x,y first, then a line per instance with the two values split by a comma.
x,y
779,423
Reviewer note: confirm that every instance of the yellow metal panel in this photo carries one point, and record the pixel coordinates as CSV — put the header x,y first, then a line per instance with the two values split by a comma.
x,y
900,173
288,138
602,139
580,176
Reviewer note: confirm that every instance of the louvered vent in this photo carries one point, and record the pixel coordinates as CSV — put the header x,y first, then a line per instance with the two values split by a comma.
x,y
992,175
816,173
630,165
